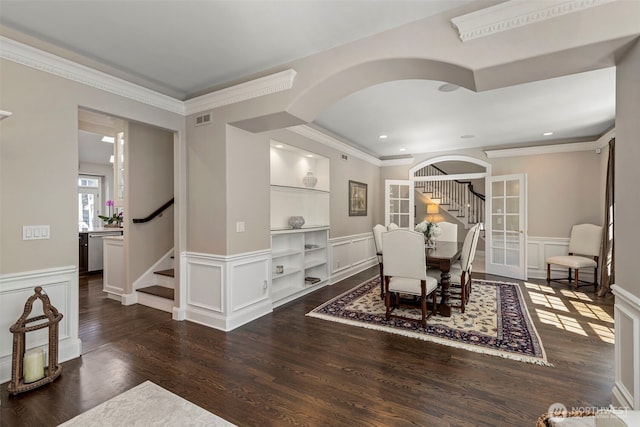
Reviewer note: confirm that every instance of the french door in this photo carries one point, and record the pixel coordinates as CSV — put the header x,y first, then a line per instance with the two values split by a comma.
x,y
398,203
506,225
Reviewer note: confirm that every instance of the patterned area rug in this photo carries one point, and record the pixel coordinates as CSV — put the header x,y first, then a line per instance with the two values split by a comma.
x,y
495,321
147,404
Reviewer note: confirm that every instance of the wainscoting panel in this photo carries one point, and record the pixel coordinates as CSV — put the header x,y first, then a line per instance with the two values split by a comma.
x,y
225,292
351,254
626,391
61,285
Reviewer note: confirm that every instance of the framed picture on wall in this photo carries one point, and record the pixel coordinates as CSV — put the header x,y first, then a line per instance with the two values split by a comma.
x,y
357,198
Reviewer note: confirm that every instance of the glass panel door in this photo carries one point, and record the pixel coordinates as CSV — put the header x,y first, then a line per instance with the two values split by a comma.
x,y
507,226
398,204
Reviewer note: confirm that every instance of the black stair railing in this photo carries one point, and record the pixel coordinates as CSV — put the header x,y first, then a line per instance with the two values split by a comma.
x,y
457,196
154,213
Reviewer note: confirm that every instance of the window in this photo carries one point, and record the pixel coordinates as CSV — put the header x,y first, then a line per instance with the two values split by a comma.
x,y
89,206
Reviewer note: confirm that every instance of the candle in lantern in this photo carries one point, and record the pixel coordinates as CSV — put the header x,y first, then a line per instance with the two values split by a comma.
x,y
33,365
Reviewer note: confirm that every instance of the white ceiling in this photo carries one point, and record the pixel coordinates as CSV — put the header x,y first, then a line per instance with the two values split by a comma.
x,y
185,48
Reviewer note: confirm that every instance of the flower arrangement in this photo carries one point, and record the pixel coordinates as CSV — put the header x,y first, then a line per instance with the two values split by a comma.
x,y
114,218
431,230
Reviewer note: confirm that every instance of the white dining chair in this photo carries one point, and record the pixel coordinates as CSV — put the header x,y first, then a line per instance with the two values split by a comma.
x,y
405,272
448,232
378,229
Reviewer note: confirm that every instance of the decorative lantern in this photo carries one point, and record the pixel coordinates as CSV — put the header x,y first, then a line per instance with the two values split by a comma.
x,y
27,370
309,180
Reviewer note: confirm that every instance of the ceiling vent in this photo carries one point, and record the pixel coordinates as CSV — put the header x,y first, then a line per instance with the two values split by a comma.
x,y
203,119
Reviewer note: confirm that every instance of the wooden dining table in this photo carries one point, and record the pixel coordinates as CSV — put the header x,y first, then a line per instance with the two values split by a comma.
x,y
442,256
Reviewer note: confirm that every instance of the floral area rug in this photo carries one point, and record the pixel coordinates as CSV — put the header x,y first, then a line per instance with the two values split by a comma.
x,y
495,321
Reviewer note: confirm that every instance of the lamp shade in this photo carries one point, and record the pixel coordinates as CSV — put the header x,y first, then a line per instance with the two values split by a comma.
x,y
432,209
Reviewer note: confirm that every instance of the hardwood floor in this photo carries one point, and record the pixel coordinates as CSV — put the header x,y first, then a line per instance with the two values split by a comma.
x,y
289,369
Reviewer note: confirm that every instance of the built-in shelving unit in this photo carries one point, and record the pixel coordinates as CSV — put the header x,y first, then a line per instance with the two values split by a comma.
x,y
296,256
299,257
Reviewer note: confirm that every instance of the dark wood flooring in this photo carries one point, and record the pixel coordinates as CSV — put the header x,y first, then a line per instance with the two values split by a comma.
x,y
288,369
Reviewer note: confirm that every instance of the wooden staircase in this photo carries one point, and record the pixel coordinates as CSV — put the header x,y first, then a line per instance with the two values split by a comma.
x,y
161,293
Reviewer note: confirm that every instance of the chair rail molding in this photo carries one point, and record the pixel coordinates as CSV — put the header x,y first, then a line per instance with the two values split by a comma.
x,y
626,390
61,285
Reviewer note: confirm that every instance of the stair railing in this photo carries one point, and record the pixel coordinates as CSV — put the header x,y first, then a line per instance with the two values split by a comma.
x,y
153,214
457,197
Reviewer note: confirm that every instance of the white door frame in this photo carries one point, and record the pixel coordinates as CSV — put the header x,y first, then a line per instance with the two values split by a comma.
x,y
387,201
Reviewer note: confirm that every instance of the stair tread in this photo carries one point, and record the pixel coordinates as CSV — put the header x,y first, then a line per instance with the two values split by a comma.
x,y
169,272
159,291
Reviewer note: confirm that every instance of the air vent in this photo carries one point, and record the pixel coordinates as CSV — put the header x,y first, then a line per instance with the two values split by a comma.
x,y
203,119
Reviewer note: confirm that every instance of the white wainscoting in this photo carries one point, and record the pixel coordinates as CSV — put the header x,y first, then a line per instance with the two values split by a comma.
x,y
540,248
61,285
351,254
225,292
626,391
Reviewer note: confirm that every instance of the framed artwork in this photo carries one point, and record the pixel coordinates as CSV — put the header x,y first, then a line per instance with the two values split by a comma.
x,y
357,199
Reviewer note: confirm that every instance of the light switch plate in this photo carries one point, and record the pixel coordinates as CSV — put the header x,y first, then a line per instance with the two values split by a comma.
x,y
240,227
35,232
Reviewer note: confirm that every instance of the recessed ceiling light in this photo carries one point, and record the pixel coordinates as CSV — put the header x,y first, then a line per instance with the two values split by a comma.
x,y
279,146
467,136
109,139
309,155
448,87
383,137
547,133
403,149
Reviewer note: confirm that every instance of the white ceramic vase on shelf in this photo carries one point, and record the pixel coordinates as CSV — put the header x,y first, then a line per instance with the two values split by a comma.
x,y
310,180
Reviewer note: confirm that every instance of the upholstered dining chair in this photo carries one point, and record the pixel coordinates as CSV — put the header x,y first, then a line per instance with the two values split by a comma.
x,y
378,229
462,268
405,272
584,251
448,232
392,226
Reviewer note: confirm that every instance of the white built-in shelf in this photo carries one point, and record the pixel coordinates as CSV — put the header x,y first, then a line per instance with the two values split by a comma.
x,y
285,273
286,253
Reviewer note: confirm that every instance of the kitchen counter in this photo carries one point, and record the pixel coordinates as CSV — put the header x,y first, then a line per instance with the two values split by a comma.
x,y
90,257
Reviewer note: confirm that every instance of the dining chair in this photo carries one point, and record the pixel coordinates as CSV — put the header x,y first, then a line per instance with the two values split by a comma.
x,y
405,272
392,226
462,268
448,232
378,229
584,251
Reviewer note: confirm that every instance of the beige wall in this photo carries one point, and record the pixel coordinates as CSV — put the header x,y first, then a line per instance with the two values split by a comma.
x,y
627,204
150,169
39,161
563,189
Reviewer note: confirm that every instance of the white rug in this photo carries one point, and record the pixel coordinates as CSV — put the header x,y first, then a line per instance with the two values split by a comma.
x,y
147,405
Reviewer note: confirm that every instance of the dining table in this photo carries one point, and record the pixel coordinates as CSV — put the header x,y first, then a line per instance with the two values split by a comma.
x,y
442,256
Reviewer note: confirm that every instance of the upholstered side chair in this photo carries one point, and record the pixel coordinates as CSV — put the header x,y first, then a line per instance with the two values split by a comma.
x,y
405,272
584,251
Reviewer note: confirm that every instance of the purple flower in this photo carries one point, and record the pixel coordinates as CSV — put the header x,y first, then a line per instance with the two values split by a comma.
x,y
109,202
120,214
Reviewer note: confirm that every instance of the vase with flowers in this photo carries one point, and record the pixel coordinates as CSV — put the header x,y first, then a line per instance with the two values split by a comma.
x,y
114,219
431,230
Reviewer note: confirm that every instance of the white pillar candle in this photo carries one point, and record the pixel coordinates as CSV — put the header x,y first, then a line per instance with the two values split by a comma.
x,y
33,365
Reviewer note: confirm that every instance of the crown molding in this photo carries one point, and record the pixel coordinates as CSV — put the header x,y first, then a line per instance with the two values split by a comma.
x,y
542,149
266,85
40,60
603,141
5,114
329,141
515,13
